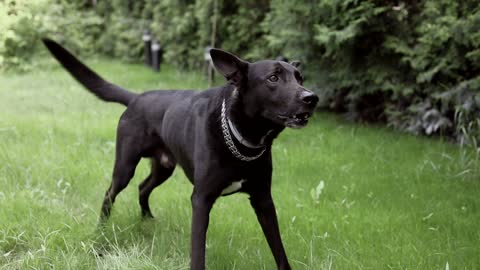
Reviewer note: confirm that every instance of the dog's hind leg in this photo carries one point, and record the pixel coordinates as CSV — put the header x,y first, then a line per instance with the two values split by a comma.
x,y
127,158
163,166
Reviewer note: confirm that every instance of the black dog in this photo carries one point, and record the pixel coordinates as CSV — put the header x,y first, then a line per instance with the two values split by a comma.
x,y
221,137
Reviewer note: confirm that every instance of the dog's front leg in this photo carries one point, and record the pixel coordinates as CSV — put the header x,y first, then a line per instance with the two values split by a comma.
x,y
201,205
264,207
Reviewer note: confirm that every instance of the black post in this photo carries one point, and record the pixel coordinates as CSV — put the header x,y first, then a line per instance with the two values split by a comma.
x,y
157,54
147,40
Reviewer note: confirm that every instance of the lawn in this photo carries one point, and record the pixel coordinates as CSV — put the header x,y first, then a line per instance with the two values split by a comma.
x,y
348,196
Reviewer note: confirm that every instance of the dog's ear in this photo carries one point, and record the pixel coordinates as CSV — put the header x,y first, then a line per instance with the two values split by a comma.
x,y
230,66
296,63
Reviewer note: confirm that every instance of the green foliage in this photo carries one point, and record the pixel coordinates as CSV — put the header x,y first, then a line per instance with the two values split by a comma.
x,y
239,28
123,28
25,22
439,58
288,28
17,20
411,64
175,25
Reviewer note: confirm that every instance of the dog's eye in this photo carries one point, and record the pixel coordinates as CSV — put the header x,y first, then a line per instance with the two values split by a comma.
x,y
273,78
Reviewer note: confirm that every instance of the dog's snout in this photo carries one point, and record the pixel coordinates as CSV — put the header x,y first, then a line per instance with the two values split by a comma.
x,y
309,98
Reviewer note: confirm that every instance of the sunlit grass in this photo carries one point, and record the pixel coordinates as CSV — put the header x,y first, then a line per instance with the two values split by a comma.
x,y
389,201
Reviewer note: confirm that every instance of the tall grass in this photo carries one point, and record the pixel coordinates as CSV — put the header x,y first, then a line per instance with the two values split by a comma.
x,y
348,196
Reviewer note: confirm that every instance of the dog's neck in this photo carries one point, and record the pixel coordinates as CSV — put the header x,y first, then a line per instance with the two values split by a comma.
x,y
245,142
256,131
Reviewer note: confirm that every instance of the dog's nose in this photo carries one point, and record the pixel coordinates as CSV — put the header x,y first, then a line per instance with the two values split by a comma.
x,y
309,98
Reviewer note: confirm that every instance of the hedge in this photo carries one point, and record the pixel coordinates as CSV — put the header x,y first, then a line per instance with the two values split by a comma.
x,y
413,65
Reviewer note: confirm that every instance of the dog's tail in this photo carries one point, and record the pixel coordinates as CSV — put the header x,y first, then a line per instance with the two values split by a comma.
x,y
87,77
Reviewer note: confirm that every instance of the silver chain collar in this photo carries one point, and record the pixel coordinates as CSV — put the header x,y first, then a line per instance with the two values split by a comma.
x,y
229,141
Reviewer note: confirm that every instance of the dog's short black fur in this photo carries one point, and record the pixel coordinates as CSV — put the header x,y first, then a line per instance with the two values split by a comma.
x,y
188,127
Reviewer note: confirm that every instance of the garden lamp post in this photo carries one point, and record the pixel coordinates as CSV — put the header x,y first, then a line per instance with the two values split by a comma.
x,y
157,54
147,40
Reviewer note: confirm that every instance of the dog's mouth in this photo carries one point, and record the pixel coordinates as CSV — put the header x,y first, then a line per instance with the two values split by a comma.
x,y
299,120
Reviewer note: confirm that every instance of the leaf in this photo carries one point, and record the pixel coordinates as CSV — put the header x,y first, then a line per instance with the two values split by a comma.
x,y
428,75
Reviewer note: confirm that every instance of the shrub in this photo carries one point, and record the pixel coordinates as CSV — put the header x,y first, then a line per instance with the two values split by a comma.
x,y
25,22
413,65
17,20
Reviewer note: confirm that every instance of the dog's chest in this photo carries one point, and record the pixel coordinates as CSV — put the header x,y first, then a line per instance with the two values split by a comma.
x,y
233,187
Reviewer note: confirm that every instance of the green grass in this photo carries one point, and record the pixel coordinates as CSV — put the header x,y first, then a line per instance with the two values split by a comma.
x,y
390,201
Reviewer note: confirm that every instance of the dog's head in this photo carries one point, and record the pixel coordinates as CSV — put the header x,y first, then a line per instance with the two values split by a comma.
x,y
269,89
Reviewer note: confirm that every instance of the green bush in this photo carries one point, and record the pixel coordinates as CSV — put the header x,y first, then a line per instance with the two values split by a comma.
x,y
24,22
17,21
413,65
